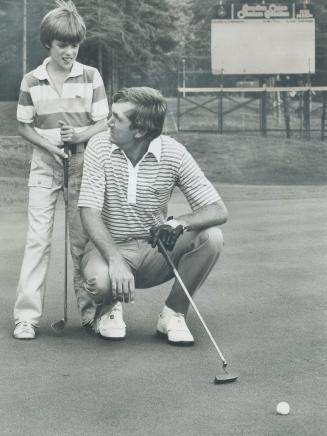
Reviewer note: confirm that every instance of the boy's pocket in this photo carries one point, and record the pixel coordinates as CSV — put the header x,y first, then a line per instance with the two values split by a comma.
x,y
41,181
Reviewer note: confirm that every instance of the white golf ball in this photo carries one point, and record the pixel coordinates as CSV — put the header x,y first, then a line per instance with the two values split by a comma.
x,y
283,408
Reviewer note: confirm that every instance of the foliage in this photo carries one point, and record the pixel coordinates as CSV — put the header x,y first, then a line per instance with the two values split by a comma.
x,y
132,42
130,39
320,9
8,32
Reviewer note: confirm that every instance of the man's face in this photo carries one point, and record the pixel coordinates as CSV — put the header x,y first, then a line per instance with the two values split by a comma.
x,y
63,54
121,132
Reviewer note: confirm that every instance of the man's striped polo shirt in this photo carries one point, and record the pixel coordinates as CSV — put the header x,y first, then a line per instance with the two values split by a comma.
x,y
133,199
82,102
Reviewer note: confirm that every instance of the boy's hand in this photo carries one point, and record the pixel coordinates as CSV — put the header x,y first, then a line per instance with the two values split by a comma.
x,y
58,154
67,133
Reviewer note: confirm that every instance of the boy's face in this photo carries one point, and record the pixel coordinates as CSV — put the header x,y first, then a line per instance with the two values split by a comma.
x,y
121,132
63,54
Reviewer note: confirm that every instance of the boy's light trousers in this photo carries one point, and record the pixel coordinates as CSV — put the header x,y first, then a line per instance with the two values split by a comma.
x,y
45,185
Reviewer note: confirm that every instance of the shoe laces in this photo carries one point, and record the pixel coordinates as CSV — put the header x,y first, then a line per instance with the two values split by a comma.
x,y
180,317
114,311
25,325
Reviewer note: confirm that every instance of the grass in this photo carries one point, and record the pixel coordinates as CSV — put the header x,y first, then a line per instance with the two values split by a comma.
x,y
241,159
249,159
8,123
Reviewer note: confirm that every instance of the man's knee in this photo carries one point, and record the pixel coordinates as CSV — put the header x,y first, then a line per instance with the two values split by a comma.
x,y
212,238
97,283
102,283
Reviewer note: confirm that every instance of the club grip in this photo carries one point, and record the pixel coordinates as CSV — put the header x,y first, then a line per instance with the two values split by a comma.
x,y
66,164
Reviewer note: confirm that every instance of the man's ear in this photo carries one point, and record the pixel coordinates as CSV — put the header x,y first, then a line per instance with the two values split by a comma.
x,y
139,133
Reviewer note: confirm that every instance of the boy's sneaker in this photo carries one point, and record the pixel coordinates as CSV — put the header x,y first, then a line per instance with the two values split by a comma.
x,y
111,325
172,325
24,330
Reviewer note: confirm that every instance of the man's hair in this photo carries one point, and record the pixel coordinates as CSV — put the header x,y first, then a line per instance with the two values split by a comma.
x,y
150,109
62,23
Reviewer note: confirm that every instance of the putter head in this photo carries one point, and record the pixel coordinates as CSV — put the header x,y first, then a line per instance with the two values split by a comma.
x,y
225,378
58,326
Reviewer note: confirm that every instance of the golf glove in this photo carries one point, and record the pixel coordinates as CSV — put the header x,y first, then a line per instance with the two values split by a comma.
x,y
168,233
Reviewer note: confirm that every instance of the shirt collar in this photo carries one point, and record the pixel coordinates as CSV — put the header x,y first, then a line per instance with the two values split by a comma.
x,y
154,148
41,71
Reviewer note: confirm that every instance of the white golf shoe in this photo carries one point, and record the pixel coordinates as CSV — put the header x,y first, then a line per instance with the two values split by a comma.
x,y
24,330
172,325
111,325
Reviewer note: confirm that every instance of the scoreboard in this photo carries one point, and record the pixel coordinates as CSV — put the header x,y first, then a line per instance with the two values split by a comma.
x,y
263,39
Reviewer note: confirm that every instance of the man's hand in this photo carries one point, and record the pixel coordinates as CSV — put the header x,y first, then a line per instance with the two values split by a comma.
x,y
168,234
122,280
67,133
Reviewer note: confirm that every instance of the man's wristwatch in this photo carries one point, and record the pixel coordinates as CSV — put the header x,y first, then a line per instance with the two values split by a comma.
x,y
174,223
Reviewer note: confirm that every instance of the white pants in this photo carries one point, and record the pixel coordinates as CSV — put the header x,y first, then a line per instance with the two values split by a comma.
x,y
45,184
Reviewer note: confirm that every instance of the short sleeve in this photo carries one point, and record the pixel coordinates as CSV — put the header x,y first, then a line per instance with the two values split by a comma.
x,y
93,181
197,189
100,108
25,106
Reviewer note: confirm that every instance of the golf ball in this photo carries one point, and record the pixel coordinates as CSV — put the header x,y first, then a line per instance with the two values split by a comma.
x,y
283,408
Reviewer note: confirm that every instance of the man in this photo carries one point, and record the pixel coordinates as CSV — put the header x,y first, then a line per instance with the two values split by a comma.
x,y
129,175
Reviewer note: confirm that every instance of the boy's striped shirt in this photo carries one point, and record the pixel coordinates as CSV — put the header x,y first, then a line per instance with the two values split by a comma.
x,y
133,199
82,102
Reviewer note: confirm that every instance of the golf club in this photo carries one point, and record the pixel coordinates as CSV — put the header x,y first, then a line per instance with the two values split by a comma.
x,y
226,377
58,326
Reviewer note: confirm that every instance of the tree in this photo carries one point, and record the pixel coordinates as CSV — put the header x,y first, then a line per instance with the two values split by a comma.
x,y
149,38
10,43
104,23
129,40
320,11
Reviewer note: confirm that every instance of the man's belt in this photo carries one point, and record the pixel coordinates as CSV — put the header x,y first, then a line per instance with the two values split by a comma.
x,y
77,148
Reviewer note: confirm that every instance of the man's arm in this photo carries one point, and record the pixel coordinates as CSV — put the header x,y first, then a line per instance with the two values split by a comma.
x,y
121,277
210,215
208,209
207,205
29,133
206,216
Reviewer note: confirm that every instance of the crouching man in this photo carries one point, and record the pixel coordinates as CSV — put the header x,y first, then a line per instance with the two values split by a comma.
x,y
129,174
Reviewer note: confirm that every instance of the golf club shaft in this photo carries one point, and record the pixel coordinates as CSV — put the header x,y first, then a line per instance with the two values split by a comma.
x,y
65,188
176,274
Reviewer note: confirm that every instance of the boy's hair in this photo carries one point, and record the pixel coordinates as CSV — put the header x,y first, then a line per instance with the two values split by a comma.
x,y
150,109
62,23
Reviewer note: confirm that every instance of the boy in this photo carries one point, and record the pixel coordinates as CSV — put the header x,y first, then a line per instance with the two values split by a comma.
x,y
60,101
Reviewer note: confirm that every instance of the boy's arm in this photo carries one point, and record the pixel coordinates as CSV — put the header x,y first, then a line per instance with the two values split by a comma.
x,y
68,133
99,114
29,133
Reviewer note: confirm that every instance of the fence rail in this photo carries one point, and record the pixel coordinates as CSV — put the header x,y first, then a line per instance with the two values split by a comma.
x,y
253,109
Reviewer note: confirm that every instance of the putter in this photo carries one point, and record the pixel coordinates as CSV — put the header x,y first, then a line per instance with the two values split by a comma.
x,y
226,377
58,326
